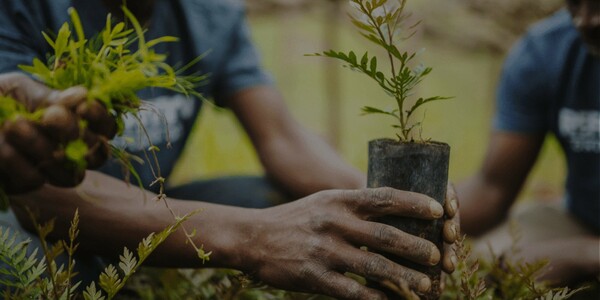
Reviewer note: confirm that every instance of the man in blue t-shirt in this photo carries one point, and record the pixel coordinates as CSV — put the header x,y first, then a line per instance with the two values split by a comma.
x,y
303,245
550,84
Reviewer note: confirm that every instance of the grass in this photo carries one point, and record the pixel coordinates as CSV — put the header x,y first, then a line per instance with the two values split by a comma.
x,y
221,148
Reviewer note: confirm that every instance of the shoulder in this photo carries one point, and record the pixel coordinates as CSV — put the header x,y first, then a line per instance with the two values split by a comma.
x,y
547,47
41,14
557,24
553,37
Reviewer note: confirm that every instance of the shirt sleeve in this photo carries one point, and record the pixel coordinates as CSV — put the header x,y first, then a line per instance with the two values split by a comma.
x,y
20,36
241,67
521,95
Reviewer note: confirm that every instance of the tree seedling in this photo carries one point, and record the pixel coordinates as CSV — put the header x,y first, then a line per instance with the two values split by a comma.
x,y
382,23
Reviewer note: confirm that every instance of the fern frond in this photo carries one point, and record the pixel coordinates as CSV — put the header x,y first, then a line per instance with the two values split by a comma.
x,y
20,269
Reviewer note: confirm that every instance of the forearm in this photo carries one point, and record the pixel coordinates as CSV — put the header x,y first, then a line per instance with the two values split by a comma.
x,y
304,163
114,215
298,159
486,197
482,206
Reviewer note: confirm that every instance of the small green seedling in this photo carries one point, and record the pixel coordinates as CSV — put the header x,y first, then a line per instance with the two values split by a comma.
x,y
382,23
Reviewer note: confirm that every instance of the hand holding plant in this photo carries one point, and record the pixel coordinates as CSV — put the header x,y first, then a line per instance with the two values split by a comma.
x,y
38,121
76,131
112,75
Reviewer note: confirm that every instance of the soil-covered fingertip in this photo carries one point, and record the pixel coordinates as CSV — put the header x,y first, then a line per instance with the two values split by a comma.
x,y
59,123
98,118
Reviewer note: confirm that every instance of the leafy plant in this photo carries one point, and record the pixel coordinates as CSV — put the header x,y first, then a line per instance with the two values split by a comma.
x,y
106,67
499,278
23,276
382,22
22,269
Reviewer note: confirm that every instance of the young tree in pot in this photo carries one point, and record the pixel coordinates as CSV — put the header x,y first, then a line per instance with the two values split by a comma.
x,y
407,163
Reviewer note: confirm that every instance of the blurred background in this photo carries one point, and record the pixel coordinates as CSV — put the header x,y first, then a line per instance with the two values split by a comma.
x,y
464,41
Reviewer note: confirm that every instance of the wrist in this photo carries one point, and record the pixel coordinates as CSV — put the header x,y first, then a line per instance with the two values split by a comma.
x,y
591,263
230,236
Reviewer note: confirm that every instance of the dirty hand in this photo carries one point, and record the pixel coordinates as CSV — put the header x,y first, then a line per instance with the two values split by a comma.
x,y
451,231
309,244
31,153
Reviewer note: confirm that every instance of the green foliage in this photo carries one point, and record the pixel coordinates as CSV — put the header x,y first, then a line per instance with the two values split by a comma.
x,y
23,277
382,23
494,279
499,279
112,280
22,270
106,67
208,284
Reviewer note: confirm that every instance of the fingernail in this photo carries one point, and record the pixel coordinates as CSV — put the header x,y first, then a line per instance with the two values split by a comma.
x,y
454,205
436,209
424,285
453,231
450,233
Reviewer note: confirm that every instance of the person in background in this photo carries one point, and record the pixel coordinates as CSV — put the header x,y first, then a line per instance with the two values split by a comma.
x,y
550,84
247,223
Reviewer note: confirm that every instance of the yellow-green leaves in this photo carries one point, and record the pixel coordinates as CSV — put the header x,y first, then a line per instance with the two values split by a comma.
x,y
106,67
75,151
9,108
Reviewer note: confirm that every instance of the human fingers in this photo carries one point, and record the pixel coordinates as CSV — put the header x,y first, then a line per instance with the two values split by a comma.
x,y
26,138
450,260
23,89
336,285
99,120
60,124
385,238
69,98
379,269
388,201
451,230
34,95
100,124
62,173
98,150
451,233
16,172
451,203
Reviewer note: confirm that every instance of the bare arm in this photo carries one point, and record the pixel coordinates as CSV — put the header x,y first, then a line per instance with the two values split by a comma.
x,y
293,246
300,160
486,197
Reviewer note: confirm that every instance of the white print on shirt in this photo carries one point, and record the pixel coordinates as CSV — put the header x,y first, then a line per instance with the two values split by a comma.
x,y
171,109
581,128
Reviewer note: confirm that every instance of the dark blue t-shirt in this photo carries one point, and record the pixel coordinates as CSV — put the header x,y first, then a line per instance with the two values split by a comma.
x,y
551,83
216,27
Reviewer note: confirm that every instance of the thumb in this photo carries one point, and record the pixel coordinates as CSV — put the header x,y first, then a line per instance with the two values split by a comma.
x,y
34,95
69,98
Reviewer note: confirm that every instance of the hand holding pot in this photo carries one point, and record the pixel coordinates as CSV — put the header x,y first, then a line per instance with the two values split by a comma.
x,y
309,244
451,230
32,151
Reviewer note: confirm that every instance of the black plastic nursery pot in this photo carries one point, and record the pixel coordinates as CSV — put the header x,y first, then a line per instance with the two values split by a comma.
x,y
420,167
